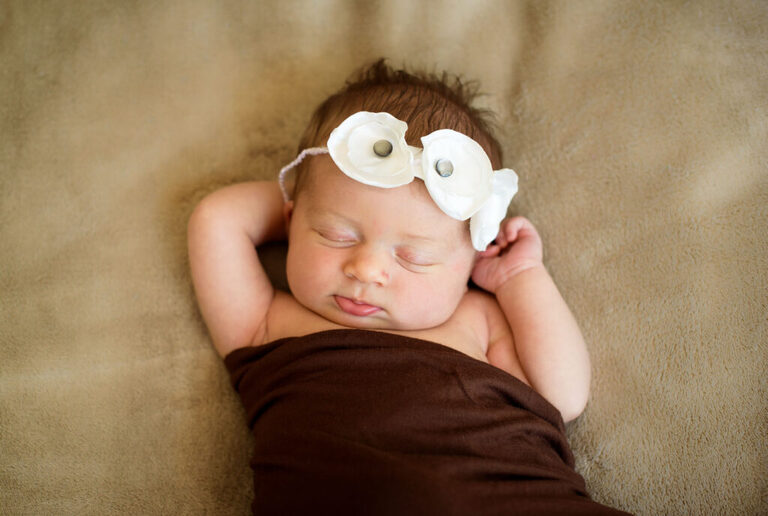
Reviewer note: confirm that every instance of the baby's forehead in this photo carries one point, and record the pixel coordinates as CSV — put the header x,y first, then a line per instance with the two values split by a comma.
x,y
407,208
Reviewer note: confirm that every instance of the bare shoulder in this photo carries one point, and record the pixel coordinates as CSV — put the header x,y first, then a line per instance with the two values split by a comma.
x,y
286,317
480,309
500,350
473,316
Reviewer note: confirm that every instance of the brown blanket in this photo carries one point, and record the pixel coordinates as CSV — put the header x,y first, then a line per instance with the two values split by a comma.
x,y
362,422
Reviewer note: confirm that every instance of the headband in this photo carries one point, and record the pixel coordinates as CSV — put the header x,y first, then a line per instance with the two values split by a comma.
x,y
371,148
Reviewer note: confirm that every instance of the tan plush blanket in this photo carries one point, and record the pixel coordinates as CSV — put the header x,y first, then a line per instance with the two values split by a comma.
x,y
638,130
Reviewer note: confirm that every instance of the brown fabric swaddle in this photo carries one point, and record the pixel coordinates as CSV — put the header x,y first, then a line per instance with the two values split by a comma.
x,y
364,422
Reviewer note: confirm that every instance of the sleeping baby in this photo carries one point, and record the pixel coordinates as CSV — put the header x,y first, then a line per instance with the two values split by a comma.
x,y
385,381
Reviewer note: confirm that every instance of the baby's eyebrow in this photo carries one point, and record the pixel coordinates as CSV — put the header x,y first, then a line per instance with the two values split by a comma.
x,y
421,239
428,243
315,213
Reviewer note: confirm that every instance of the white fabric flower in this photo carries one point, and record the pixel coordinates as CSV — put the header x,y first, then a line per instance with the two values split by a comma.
x,y
484,225
351,146
467,187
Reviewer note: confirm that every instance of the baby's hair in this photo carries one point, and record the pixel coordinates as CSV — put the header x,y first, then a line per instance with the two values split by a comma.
x,y
426,102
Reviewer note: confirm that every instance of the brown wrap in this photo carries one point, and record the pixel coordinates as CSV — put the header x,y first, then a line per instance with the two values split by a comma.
x,y
363,422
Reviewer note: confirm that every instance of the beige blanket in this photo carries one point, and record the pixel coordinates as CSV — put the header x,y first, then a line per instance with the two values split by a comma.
x,y
638,130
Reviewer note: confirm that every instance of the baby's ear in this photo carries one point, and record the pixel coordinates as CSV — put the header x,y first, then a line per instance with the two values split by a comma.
x,y
287,215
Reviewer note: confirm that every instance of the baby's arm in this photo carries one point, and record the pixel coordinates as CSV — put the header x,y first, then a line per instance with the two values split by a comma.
x,y
546,336
232,289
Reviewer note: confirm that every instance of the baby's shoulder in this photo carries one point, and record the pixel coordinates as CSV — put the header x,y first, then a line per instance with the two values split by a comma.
x,y
477,303
482,310
286,317
473,309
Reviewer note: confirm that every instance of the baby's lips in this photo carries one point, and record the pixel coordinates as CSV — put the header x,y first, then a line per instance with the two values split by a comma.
x,y
355,308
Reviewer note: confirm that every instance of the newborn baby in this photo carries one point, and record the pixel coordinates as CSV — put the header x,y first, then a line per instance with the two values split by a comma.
x,y
382,383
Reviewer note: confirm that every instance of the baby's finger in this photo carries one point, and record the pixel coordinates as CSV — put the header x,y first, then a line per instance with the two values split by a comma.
x,y
501,238
512,228
491,251
527,229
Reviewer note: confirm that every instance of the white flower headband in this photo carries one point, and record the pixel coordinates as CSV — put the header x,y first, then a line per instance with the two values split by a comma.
x,y
371,148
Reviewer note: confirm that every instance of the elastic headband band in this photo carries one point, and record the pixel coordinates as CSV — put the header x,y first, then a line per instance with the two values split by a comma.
x,y
312,151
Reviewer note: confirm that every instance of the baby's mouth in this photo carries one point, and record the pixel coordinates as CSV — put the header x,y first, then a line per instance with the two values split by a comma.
x,y
355,308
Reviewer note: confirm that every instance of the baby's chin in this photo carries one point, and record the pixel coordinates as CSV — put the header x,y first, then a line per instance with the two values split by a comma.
x,y
381,320
369,322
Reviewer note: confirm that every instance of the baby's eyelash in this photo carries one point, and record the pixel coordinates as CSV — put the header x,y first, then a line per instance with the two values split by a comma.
x,y
335,237
416,260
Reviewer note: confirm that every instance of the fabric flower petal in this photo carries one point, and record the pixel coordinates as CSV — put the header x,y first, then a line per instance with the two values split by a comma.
x,y
351,147
484,225
467,187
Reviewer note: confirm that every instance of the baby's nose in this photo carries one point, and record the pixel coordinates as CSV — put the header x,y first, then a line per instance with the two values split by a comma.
x,y
368,265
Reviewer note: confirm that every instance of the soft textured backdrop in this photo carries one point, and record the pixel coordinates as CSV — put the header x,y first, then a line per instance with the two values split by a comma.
x,y
639,132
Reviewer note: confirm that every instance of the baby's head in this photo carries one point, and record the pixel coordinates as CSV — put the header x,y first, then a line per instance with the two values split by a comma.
x,y
382,258
425,102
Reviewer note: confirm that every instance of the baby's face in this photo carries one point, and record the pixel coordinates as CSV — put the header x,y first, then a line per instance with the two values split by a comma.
x,y
368,257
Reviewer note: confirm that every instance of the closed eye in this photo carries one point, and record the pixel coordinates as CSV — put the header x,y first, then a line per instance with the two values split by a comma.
x,y
414,260
339,239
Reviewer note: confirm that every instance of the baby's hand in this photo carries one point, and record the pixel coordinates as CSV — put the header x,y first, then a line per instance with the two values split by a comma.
x,y
517,248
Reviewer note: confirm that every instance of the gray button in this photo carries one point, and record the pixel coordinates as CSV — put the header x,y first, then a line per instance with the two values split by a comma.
x,y
444,167
382,148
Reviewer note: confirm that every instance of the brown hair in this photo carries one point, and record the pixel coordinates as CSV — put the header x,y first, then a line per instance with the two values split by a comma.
x,y
426,102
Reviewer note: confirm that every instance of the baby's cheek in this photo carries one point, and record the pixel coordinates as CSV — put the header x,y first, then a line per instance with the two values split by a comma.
x,y
463,268
434,303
